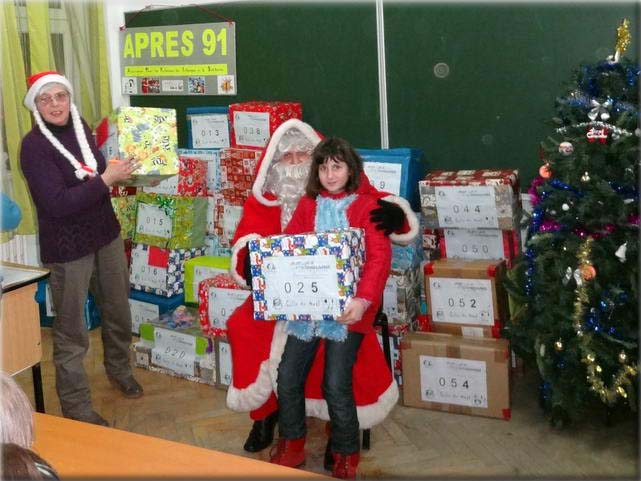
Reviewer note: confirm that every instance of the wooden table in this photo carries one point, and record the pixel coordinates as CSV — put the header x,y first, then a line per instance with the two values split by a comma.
x,y
82,450
20,323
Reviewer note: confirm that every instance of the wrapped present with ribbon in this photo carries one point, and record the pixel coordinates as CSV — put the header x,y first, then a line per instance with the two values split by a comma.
x,y
174,345
125,210
471,199
218,298
201,268
306,277
146,135
160,271
170,221
253,123
191,180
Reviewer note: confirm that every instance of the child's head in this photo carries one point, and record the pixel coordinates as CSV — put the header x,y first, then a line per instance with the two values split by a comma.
x,y
336,167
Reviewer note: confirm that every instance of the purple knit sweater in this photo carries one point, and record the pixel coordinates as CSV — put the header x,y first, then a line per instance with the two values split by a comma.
x,y
75,216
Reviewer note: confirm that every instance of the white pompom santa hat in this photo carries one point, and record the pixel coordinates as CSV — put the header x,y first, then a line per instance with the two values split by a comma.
x,y
88,166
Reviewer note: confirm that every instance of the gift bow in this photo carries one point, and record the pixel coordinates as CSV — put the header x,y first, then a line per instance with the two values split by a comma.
x,y
600,109
167,204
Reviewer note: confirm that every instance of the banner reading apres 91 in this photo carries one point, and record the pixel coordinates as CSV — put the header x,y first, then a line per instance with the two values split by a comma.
x,y
197,59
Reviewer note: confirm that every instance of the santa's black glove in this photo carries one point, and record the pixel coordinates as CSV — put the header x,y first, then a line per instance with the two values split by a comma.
x,y
389,217
247,268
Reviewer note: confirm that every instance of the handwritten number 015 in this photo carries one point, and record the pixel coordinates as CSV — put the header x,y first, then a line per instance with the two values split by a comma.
x,y
210,41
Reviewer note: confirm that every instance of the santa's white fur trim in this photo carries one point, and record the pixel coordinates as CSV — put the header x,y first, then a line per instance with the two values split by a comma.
x,y
261,175
408,237
34,89
254,395
237,247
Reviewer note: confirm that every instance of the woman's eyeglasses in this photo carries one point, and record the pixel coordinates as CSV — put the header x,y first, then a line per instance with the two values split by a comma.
x,y
60,97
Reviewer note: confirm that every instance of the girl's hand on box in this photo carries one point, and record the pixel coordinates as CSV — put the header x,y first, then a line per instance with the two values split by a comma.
x,y
354,311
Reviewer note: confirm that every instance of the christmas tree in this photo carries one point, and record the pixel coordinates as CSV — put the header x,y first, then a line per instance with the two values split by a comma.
x,y
576,285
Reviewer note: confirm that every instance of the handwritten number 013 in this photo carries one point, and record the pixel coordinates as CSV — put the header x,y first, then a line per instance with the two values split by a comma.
x,y
210,41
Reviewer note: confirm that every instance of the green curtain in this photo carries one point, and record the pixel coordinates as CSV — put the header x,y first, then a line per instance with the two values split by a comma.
x,y
85,32
17,119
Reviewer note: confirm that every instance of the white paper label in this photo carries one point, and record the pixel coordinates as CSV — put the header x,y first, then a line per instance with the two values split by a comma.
x,y
175,340
205,272
453,381
144,274
142,312
466,206
224,363
474,243
222,302
174,359
468,331
251,128
461,301
152,220
169,186
301,285
209,131
384,176
390,298
231,218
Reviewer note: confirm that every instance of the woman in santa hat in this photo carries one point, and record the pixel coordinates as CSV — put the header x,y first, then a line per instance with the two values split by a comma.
x,y
80,241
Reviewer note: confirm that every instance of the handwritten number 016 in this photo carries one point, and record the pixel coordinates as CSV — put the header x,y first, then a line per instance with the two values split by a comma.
x,y
210,41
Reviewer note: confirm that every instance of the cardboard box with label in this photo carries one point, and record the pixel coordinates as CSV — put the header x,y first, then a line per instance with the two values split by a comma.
x,y
146,307
465,297
223,362
182,352
481,244
199,268
170,221
401,297
146,135
305,276
125,210
396,171
253,123
211,157
219,296
159,271
471,199
456,374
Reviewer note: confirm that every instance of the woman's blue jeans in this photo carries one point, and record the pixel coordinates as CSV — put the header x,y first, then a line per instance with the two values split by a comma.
x,y
337,388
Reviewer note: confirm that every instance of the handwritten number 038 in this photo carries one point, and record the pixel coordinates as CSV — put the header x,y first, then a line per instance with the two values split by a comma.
x,y
300,287
210,41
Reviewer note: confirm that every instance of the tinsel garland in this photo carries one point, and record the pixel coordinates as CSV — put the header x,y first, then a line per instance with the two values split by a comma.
x,y
622,381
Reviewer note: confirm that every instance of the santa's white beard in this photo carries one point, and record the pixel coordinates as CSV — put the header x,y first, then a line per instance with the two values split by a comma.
x,y
287,183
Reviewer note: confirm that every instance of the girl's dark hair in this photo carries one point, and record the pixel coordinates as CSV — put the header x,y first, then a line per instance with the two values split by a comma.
x,y
338,149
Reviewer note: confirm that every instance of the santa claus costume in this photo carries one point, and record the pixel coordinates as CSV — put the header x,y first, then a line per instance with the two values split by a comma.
x,y
257,345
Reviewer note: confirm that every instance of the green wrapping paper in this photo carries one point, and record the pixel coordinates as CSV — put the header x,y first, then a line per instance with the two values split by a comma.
x,y
125,209
170,221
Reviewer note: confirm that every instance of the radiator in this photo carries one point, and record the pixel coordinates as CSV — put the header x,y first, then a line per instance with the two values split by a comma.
x,y
21,249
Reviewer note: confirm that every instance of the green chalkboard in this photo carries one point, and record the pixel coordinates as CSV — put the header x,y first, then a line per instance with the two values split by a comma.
x,y
471,84
507,63
323,56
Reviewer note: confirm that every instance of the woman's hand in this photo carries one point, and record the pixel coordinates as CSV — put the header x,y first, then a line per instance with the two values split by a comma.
x,y
119,170
354,311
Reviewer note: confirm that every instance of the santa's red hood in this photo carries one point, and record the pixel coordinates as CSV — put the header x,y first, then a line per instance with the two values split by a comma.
x,y
268,155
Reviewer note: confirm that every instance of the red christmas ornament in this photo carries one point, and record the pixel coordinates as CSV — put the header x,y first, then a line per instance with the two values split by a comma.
x,y
595,133
588,272
545,171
